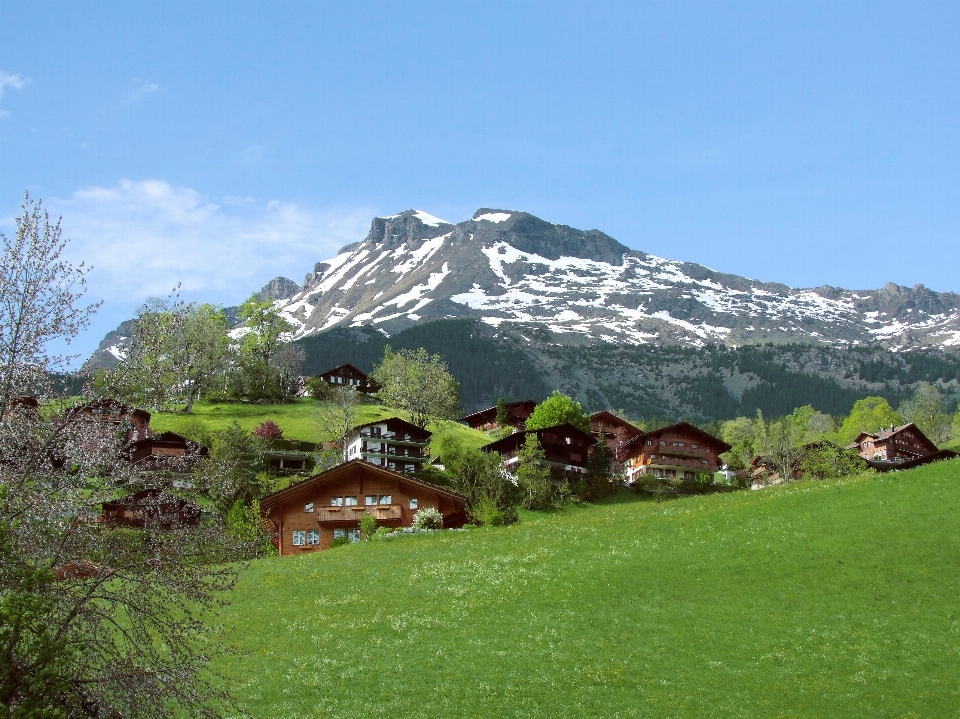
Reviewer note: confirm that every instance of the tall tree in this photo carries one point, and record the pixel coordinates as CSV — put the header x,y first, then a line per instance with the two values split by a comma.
x,y
418,383
533,478
39,295
334,418
266,330
929,410
557,409
204,349
869,414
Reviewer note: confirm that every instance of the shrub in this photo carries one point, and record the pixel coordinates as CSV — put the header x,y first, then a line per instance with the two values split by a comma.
x,y
382,531
269,430
428,518
368,526
339,542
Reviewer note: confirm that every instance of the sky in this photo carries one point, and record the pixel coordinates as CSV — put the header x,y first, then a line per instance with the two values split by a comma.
x,y
220,144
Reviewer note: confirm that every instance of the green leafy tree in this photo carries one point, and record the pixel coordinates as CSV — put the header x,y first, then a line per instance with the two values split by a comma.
x,y
599,479
368,526
558,409
418,383
868,415
260,348
740,434
930,411
236,470
335,417
491,497
535,480
825,460
203,348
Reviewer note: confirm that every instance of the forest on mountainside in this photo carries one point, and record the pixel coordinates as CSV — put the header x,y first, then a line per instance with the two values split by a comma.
x,y
709,383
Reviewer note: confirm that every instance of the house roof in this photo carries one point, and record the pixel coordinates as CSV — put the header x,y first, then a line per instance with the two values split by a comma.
x,y
513,441
403,422
344,470
637,442
344,366
884,434
609,418
492,411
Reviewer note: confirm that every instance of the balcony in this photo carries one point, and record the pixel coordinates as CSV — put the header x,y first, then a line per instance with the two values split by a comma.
x,y
352,515
405,440
393,452
677,461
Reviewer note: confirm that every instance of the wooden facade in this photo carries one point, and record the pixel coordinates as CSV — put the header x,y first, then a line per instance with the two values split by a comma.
x,y
151,508
346,375
680,450
565,447
309,515
486,419
616,431
165,451
393,443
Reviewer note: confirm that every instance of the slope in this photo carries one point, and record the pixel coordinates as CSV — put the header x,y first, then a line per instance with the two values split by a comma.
x,y
837,598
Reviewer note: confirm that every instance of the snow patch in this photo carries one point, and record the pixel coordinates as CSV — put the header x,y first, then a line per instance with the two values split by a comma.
x,y
493,217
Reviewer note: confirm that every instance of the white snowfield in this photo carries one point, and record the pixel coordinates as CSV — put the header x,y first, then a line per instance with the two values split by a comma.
x,y
618,303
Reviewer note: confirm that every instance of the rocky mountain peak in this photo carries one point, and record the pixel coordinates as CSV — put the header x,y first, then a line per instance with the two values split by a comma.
x,y
279,288
412,226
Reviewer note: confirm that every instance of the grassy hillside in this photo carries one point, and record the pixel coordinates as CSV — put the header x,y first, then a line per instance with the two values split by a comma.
x,y
837,598
296,419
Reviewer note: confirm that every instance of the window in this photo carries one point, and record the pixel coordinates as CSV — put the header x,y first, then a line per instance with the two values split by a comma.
x,y
336,501
413,502
694,446
350,501
575,457
339,533
299,537
385,499
371,500
308,507
313,537
649,442
353,535
567,439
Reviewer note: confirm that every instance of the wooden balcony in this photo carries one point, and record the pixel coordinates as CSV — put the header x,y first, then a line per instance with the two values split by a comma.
x,y
352,515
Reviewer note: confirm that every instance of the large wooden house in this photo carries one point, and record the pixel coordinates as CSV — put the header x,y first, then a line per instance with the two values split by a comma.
x,y
310,515
680,450
167,451
393,443
486,419
151,508
898,448
346,375
616,431
565,448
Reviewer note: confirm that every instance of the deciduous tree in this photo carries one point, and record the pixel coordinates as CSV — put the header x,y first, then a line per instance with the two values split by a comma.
x,y
418,383
929,410
558,409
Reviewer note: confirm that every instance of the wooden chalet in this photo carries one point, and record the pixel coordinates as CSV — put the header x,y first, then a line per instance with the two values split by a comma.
x,y
346,375
309,515
900,447
151,508
486,419
22,405
565,448
167,451
616,431
112,412
393,443
680,450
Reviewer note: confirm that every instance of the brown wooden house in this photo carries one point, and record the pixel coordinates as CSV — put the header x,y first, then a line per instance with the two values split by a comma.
x,y
346,375
151,508
309,515
486,419
565,448
616,431
680,450
165,451
898,448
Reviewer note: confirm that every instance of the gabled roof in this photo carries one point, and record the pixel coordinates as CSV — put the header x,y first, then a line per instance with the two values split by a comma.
x,y
344,470
609,418
403,422
492,411
515,440
884,434
635,444
344,366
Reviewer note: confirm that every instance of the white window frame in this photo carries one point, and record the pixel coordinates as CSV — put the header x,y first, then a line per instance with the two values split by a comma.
x,y
299,537
350,501
370,500
336,501
313,537
385,499
308,507
353,534
413,503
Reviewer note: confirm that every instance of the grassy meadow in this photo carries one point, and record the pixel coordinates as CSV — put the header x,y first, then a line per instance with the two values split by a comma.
x,y
816,599
297,419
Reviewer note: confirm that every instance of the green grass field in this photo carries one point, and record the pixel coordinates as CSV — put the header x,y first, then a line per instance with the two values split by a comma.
x,y
817,599
296,419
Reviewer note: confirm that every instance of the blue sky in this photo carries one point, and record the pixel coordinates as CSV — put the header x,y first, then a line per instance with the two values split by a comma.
x,y
219,144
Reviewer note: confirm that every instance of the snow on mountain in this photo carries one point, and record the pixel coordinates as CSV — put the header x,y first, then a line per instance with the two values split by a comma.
x,y
515,271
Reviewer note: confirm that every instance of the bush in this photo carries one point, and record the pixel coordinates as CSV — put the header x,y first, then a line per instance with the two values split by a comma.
x,y
486,511
368,526
339,542
428,518
382,531
269,430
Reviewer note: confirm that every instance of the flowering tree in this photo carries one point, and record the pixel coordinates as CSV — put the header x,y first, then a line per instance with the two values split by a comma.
x,y
94,621
269,430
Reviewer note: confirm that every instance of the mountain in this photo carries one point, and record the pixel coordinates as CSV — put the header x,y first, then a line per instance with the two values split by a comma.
x,y
514,271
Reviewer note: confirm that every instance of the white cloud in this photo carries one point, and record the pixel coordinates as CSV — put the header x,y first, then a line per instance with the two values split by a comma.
x,y
14,82
141,91
144,237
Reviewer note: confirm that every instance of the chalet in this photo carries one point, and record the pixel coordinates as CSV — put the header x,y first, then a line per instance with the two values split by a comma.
x,y
680,450
112,412
309,515
167,451
616,431
486,419
898,448
23,405
151,508
346,375
393,443
564,446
